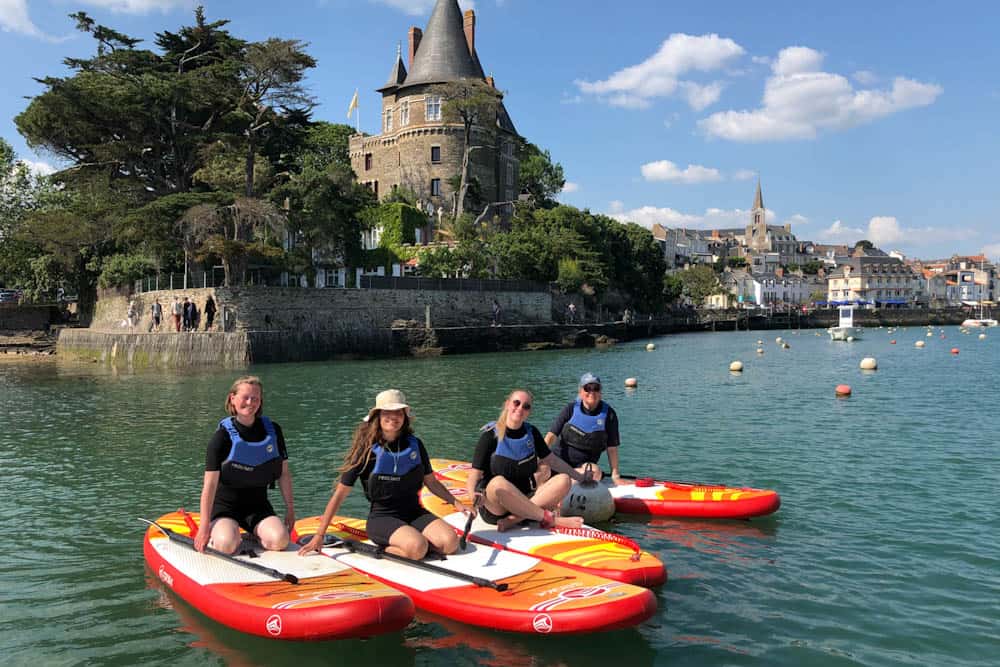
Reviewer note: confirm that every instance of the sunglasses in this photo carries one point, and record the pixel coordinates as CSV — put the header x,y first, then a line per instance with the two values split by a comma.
x,y
516,402
592,388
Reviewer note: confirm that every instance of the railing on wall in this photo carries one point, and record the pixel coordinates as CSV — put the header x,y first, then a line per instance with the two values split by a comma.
x,y
452,284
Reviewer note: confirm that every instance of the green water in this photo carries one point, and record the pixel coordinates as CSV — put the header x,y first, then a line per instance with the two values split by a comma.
x,y
884,552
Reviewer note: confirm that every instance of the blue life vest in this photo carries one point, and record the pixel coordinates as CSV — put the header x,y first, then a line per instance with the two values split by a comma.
x,y
251,464
587,433
396,475
515,458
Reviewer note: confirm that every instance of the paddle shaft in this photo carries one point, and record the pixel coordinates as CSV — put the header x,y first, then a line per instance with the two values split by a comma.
x,y
635,477
375,552
188,542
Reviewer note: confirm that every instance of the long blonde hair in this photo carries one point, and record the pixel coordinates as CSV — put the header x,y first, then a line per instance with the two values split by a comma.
x,y
501,426
246,379
366,435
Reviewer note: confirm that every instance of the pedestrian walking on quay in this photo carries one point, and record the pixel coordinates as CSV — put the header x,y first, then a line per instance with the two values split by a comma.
x,y
496,313
155,315
571,313
209,312
186,313
132,314
176,311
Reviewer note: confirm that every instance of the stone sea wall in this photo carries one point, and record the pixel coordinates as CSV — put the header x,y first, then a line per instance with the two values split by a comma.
x,y
141,350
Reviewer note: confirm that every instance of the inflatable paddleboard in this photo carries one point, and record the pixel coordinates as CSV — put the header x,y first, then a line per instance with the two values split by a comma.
x,y
538,597
664,498
330,600
587,549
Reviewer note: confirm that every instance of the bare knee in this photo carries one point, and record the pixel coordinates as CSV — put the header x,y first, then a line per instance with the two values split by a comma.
x,y
448,542
414,549
225,542
562,482
274,542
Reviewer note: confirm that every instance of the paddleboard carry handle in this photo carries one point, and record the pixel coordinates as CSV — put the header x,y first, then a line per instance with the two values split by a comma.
x,y
188,542
377,552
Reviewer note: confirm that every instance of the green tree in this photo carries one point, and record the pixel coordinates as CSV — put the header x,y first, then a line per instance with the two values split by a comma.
x,y
699,282
673,287
475,105
538,175
812,267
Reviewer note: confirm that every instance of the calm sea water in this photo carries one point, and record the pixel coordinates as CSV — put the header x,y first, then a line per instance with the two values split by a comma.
x,y
884,552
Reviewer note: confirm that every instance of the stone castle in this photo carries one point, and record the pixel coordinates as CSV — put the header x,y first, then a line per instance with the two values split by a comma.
x,y
418,149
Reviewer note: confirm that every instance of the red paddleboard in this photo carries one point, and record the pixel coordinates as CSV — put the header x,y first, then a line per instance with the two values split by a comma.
x,y
331,600
539,597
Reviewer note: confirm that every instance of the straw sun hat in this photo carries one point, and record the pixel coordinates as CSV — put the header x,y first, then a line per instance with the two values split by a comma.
x,y
390,399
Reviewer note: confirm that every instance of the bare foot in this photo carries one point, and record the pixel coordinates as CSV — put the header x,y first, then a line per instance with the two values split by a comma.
x,y
508,522
569,521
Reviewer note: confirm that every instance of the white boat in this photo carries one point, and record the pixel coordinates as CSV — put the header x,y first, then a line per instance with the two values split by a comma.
x,y
979,321
845,329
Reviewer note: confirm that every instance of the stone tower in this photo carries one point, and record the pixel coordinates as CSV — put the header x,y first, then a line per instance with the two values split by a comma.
x,y
417,149
757,237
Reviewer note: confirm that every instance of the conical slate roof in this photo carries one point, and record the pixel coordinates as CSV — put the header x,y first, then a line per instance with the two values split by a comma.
x,y
443,54
396,77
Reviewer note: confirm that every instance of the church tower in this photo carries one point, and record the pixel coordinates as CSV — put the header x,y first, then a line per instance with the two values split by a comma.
x,y
757,237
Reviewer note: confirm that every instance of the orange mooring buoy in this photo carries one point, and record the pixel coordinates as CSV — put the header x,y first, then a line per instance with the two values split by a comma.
x,y
954,350
843,390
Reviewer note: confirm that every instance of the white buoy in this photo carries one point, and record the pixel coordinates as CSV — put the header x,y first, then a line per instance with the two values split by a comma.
x,y
736,366
760,342
760,350
631,382
778,340
591,500
930,334
919,343
869,364
850,339
982,336
650,347
785,346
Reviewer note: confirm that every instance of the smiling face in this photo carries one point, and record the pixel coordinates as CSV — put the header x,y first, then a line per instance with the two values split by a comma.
x,y
590,395
518,408
246,402
391,421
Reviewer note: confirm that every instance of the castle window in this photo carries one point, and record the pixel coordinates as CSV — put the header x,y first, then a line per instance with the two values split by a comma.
x,y
433,107
404,114
368,161
435,187
435,154
510,172
388,119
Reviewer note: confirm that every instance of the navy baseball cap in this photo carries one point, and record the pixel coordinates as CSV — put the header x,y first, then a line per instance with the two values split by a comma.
x,y
589,378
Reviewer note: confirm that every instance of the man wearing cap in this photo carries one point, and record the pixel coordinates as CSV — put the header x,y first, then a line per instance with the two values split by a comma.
x,y
586,428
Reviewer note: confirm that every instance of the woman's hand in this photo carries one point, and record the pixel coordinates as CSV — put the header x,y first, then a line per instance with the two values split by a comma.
x,y
201,539
461,507
315,544
290,520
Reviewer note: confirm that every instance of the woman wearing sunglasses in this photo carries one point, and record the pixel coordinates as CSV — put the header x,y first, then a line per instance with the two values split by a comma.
x,y
503,471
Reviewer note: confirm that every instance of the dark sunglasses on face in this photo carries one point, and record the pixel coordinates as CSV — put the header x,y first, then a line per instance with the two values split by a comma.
x,y
516,402
592,388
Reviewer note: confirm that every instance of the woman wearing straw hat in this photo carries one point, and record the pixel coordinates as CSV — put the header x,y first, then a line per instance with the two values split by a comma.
x,y
393,466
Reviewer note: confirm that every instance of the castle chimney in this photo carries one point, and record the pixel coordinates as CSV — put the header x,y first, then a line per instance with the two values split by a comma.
x,y
416,34
470,30
490,82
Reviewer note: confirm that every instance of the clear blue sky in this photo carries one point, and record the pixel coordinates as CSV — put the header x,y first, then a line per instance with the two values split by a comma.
x,y
863,119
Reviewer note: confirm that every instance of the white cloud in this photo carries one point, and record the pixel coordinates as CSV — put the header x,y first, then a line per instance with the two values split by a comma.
x,y
992,250
712,218
797,219
800,101
660,75
883,230
140,6
744,175
421,7
14,18
665,170
569,187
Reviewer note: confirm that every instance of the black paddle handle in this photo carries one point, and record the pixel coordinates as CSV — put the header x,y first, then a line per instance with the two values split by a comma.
x,y
375,552
187,541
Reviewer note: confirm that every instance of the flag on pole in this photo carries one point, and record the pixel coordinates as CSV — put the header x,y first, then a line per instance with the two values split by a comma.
x,y
353,105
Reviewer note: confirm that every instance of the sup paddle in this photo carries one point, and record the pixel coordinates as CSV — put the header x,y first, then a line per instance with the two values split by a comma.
x,y
376,552
464,537
188,542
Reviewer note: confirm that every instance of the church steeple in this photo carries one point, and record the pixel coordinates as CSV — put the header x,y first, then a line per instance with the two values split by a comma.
x,y
758,200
